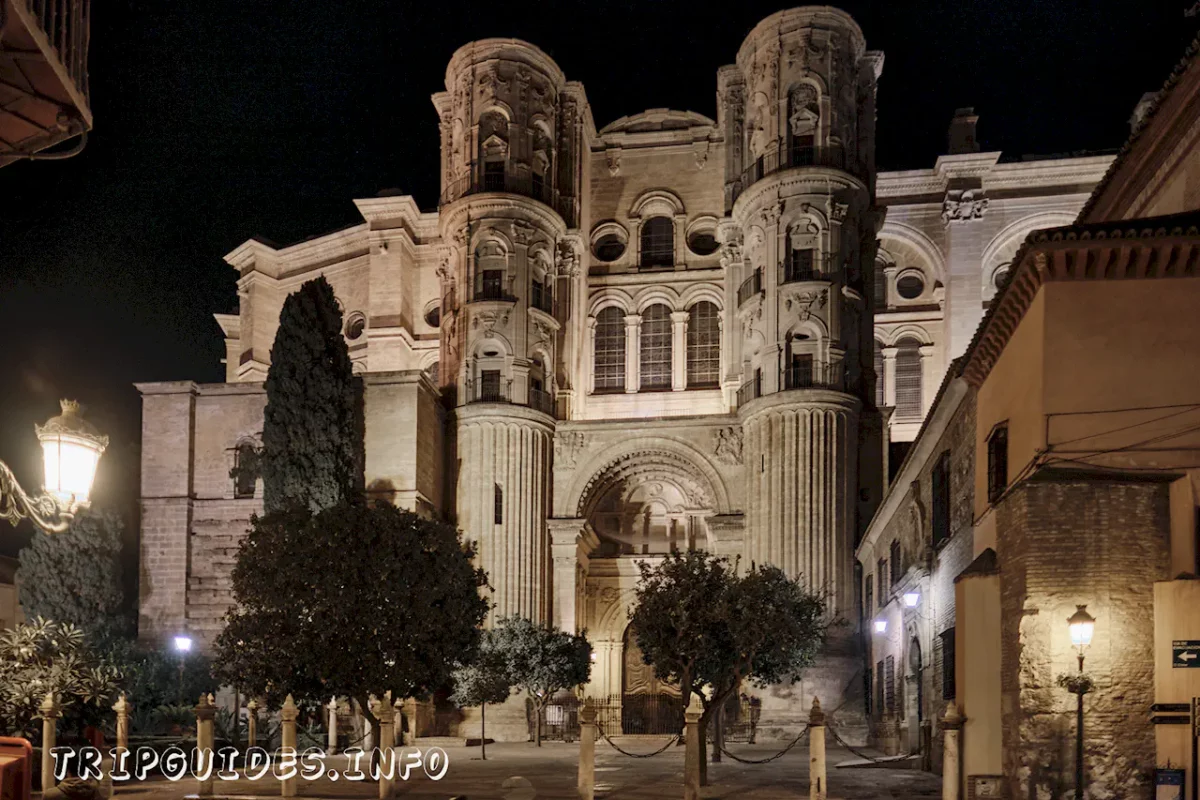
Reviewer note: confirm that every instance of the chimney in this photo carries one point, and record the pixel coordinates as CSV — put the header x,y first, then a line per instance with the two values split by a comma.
x,y
962,132
1139,111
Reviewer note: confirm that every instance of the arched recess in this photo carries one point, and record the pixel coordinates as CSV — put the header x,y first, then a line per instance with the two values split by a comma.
x,y
657,202
610,297
658,452
1005,244
912,239
657,295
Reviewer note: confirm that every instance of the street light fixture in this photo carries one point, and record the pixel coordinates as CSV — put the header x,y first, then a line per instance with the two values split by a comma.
x,y
1082,625
881,626
183,646
71,449
911,599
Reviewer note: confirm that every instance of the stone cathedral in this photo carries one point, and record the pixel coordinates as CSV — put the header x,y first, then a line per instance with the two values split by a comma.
x,y
605,344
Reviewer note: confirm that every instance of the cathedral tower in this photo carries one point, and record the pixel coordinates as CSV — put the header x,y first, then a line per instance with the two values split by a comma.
x,y
798,114
510,190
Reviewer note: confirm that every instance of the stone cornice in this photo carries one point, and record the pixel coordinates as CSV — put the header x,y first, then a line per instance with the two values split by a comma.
x,y
1157,247
966,165
231,324
1083,171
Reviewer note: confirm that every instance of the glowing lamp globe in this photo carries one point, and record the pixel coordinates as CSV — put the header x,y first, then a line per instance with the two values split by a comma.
x,y
71,449
911,599
881,626
1082,624
183,644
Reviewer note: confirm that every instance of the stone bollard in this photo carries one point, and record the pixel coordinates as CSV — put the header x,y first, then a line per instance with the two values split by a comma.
x,y
122,707
206,710
385,713
398,717
587,751
368,739
251,723
951,778
818,784
50,714
288,714
695,748
331,743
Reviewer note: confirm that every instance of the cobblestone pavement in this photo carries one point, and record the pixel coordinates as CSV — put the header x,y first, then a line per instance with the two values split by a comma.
x,y
524,772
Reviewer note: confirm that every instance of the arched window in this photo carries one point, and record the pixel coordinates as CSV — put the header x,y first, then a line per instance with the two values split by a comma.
x,y
881,298
245,470
908,379
490,267
656,348
493,150
658,243
878,374
703,346
609,359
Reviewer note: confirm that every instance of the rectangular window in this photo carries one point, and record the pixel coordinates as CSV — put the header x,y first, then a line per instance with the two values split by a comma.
x,y
896,563
489,386
868,691
889,700
609,369
939,512
869,601
800,372
656,348
879,693
949,688
491,284
799,266
539,186
997,453
498,500
493,176
881,576
243,464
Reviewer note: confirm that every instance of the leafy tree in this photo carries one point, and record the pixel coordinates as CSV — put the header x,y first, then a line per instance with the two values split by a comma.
x,y
485,680
542,660
74,577
41,656
312,425
150,676
352,601
700,624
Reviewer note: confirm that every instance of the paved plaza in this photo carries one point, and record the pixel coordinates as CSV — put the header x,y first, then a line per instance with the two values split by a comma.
x,y
523,772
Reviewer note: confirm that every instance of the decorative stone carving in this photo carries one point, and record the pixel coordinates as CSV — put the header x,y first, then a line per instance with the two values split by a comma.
x,y
567,258
542,331
462,236
729,445
962,205
613,155
806,301
567,447
803,110
609,595
488,320
522,232
838,211
731,253
701,154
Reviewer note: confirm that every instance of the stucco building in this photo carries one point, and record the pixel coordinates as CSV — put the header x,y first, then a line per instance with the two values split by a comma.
x,y
669,332
1058,468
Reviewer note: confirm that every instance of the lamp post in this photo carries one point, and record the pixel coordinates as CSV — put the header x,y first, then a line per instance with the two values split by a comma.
x,y
1082,624
71,449
183,646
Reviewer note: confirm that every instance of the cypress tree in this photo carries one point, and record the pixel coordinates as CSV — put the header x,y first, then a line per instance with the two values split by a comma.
x,y
312,425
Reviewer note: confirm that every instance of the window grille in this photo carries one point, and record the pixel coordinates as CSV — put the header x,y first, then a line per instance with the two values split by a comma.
x,y
656,348
881,576
609,362
489,386
997,449
879,369
890,685
879,692
703,346
869,602
243,458
799,266
949,687
940,507
908,379
658,242
493,176
896,563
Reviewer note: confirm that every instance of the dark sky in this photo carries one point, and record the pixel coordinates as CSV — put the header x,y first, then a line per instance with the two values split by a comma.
x,y
216,121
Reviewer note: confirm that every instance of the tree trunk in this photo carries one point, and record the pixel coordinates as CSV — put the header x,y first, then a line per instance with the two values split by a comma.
x,y
483,731
537,722
718,735
365,707
704,748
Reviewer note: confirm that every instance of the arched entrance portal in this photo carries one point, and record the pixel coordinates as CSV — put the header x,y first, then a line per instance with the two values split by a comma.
x,y
648,705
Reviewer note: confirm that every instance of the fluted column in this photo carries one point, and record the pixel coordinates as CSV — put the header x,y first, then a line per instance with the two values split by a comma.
x,y
801,467
503,503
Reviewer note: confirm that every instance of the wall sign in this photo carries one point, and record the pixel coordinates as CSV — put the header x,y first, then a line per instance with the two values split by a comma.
x,y
1185,654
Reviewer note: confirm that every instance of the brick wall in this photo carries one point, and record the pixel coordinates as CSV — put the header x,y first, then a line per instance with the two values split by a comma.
x,y
1065,540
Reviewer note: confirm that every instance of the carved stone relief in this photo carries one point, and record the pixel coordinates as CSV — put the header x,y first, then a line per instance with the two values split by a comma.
x,y
728,447
962,205
567,447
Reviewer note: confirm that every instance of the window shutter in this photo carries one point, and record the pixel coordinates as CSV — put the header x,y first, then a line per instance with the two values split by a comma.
x,y
908,379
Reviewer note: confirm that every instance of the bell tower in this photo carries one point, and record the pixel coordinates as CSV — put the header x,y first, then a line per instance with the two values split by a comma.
x,y
509,195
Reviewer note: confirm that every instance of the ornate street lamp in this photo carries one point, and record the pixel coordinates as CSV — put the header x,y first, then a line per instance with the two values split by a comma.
x,y
1082,625
71,449
183,646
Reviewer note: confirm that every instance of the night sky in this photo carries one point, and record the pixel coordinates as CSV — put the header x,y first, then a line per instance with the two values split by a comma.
x,y
217,121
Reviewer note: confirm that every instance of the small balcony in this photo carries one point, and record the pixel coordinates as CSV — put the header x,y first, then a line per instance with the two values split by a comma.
x,y
833,157
43,75
750,390
750,287
809,375
542,401
477,181
491,388
542,298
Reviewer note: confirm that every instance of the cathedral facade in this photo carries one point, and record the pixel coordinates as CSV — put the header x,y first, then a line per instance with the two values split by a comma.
x,y
672,332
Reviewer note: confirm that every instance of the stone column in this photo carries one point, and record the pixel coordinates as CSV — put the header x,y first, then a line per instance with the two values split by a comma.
x,y
397,721
818,785
679,321
288,714
571,541
50,714
633,350
951,779
889,375
694,749
589,357
385,714
929,380
251,723
587,751
331,745
205,741
122,708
